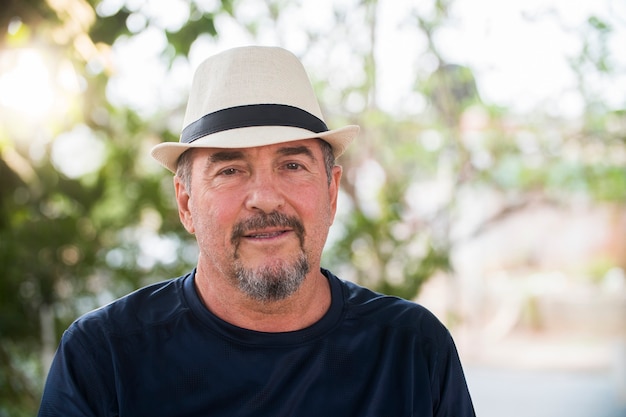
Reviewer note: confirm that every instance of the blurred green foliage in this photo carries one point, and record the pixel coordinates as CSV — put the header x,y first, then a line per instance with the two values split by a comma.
x,y
68,245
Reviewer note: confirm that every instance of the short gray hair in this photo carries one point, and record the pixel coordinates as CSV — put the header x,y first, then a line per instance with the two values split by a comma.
x,y
183,168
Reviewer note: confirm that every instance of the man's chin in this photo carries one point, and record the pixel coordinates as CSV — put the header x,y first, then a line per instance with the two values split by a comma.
x,y
272,280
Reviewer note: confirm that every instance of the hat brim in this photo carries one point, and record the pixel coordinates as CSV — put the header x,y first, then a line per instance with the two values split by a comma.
x,y
167,153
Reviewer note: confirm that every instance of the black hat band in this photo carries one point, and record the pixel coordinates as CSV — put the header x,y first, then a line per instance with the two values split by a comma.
x,y
252,115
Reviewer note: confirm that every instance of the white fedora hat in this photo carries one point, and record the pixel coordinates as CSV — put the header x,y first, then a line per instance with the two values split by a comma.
x,y
251,96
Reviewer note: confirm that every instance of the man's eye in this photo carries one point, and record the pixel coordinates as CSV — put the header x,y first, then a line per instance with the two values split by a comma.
x,y
228,171
293,166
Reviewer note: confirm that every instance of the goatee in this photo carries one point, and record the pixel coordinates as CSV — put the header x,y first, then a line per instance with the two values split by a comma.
x,y
280,279
272,282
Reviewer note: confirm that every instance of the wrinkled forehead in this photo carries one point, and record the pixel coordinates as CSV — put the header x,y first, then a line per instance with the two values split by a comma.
x,y
310,148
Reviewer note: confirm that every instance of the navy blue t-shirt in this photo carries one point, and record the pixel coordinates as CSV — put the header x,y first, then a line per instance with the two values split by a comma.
x,y
159,352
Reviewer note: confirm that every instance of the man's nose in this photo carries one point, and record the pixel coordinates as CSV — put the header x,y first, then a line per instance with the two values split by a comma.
x,y
265,194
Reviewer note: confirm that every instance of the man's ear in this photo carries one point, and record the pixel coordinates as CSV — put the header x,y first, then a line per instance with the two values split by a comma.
x,y
182,199
335,181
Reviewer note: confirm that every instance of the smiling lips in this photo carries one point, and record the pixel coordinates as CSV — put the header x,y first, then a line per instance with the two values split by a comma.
x,y
267,226
266,234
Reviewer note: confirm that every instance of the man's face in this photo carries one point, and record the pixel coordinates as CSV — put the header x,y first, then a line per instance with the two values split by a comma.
x,y
261,215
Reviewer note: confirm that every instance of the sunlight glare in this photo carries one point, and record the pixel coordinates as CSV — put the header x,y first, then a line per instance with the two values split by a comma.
x,y
25,83
78,152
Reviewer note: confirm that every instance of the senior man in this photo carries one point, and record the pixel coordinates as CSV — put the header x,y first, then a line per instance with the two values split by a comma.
x,y
258,328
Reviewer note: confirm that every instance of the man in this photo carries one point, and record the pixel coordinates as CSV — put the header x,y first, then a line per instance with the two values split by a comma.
x,y
258,328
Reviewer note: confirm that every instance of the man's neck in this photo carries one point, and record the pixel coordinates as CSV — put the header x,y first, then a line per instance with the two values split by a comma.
x,y
300,310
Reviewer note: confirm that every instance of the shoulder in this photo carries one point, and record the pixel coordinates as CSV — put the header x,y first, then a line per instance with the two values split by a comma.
x,y
390,311
145,307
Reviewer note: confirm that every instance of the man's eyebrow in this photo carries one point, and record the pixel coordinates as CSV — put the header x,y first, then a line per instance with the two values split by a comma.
x,y
296,150
225,156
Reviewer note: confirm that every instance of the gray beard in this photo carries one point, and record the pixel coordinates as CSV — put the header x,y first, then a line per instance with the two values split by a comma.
x,y
279,280
272,283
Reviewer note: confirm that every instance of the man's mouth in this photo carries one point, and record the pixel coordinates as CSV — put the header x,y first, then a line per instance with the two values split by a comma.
x,y
267,226
265,235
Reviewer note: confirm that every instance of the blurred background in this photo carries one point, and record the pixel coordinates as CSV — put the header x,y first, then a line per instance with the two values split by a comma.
x,y
488,182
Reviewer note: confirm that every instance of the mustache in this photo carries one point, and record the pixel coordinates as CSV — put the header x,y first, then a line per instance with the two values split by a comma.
x,y
266,220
